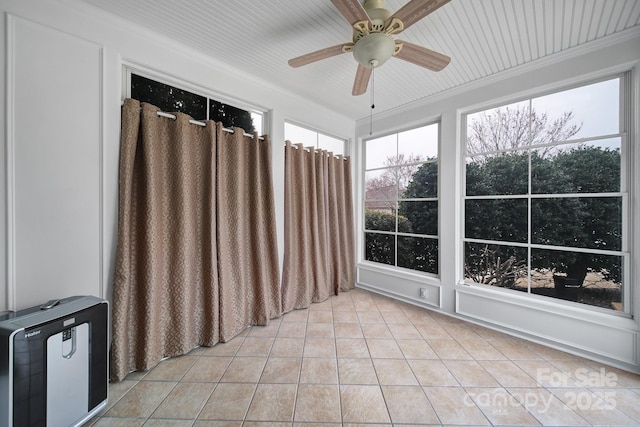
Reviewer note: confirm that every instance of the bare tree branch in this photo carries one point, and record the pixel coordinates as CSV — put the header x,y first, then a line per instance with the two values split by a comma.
x,y
387,188
512,128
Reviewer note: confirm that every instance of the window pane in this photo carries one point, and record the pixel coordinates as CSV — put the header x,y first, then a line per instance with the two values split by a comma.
x,y
498,129
401,171
423,182
418,144
168,98
418,253
522,149
582,112
380,220
592,167
310,138
230,116
587,278
588,222
494,175
380,248
421,216
497,265
300,135
381,185
333,145
381,152
496,219
257,122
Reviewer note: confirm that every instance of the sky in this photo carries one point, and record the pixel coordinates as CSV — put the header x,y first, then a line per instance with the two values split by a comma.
x,y
421,141
596,107
257,122
310,138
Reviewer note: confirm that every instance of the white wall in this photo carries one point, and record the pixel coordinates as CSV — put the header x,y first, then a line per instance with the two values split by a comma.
x,y
62,67
608,337
54,153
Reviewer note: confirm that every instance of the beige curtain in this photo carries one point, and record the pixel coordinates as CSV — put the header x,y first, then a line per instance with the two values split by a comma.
x,y
247,246
342,250
319,257
173,222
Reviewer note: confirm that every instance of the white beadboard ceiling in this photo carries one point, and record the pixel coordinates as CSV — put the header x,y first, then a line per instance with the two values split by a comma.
x,y
483,37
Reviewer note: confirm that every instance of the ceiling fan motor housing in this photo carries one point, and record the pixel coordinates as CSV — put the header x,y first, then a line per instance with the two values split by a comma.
x,y
374,48
377,13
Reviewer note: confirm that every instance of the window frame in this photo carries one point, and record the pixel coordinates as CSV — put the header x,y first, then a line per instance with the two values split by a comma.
x,y
210,94
396,233
318,133
626,173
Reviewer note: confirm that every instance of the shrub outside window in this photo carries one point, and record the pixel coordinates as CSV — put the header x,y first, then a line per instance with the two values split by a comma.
x,y
544,196
401,199
173,99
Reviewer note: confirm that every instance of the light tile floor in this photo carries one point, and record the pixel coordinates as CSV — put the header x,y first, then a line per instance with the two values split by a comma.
x,y
364,359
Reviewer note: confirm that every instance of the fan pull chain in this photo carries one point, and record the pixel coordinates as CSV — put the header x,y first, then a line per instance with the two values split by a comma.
x,y
373,104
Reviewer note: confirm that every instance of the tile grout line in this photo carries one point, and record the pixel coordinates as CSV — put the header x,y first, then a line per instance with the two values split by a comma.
x,y
556,363
335,347
170,391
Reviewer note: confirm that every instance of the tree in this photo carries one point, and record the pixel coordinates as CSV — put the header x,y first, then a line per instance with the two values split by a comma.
x,y
231,116
402,168
514,127
382,194
172,99
387,188
495,265
168,98
423,216
420,253
585,222
381,247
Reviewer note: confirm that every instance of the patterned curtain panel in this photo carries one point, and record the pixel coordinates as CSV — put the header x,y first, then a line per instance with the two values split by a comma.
x,y
319,257
342,250
247,242
169,278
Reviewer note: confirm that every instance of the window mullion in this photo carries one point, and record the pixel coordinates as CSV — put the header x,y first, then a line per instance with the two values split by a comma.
x,y
529,192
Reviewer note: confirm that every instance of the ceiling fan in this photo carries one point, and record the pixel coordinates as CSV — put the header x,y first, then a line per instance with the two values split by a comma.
x,y
373,38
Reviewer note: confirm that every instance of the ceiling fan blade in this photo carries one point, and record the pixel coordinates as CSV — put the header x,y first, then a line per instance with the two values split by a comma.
x,y
414,11
352,11
320,54
422,56
362,80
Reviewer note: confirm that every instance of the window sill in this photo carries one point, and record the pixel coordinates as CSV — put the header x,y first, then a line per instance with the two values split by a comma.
x,y
426,278
551,305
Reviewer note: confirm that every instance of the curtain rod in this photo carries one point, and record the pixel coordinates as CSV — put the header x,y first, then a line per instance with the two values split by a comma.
x,y
316,150
196,122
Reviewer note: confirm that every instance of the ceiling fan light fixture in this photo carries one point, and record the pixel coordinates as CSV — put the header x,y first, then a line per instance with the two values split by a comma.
x,y
373,30
374,49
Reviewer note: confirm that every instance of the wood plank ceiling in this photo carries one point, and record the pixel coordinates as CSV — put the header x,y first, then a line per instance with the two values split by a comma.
x,y
483,37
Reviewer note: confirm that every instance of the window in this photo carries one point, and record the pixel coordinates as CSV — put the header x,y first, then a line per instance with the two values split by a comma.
x,y
544,204
401,199
172,99
310,138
